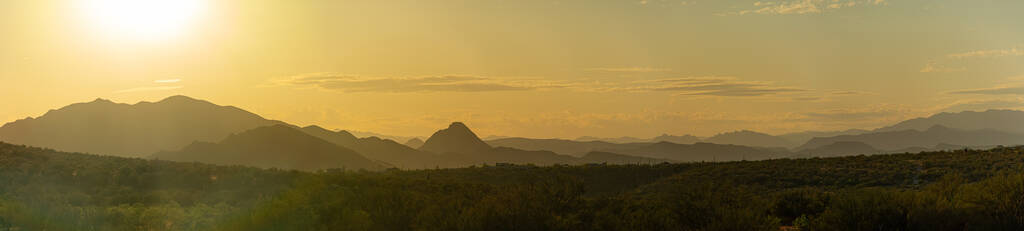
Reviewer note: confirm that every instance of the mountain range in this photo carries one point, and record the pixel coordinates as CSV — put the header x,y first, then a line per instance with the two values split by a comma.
x,y
137,130
186,129
275,146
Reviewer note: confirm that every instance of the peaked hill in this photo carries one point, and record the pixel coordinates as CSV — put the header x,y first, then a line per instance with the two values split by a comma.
x,y
276,146
132,130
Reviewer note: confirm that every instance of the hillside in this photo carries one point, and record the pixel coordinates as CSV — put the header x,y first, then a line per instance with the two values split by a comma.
x,y
83,192
276,146
384,150
457,138
931,137
660,150
750,138
841,148
131,130
1011,121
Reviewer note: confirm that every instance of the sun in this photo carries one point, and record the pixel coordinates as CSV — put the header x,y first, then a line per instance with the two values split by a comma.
x,y
141,19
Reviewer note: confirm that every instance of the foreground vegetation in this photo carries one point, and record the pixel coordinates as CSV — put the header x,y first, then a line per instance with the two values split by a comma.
x,y
957,190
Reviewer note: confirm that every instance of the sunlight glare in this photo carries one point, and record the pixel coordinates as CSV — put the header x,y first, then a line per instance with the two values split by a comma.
x,y
141,19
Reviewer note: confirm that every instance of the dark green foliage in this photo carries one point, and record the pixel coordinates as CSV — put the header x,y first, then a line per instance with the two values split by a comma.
x,y
962,190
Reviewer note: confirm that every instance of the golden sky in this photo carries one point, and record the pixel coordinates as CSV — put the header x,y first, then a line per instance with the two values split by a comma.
x,y
563,68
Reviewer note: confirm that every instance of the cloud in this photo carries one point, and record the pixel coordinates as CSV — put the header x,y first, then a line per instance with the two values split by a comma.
x,y
851,114
629,69
985,104
451,83
942,64
804,6
1000,90
167,81
1012,52
141,89
932,67
714,86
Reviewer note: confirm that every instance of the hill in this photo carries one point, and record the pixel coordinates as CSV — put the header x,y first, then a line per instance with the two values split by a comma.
x,y
414,143
457,145
660,150
803,137
276,146
1011,121
841,148
457,138
565,147
375,148
136,130
683,139
750,138
933,136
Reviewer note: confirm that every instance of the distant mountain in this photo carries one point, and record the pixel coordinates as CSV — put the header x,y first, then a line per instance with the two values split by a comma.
x,y
698,152
620,140
379,149
276,146
414,143
365,134
1002,120
803,137
750,138
933,136
841,148
660,150
684,139
461,147
613,158
566,147
457,138
105,127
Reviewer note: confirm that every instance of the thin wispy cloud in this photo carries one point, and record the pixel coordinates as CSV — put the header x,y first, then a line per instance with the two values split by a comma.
x,y
797,7
142,89
1000,90
957,61
167,81
1012,52
714,86
451,83
933,67
629,69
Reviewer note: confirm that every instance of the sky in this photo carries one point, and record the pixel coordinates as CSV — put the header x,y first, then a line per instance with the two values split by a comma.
x,y
546,69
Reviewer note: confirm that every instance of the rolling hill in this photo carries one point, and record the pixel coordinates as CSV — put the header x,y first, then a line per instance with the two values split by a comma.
x,y
131,130
933,136
275,146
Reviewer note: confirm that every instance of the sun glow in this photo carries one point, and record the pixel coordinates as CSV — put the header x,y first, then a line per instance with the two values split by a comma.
x,y
141,19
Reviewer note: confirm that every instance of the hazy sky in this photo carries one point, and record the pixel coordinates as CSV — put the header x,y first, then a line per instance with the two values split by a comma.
x,y
524,68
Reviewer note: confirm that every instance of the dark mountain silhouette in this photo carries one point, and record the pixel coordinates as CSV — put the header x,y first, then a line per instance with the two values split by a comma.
x,y
565,147
931,137
109,128
841,148
619,140
365,134
613,158
660,150
343,138
457,138
750,138
379,149
459,146
1011,121
414,143
803,137
276,146
683,139
698,152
